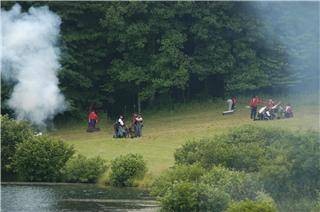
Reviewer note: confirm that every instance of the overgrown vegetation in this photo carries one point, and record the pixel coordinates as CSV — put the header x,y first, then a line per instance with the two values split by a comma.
x,y
239,165
27,157
12,133
42,159
84,170
252,206
127,168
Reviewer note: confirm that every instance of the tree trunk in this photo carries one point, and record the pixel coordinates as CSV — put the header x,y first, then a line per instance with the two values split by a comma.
x,y
139,104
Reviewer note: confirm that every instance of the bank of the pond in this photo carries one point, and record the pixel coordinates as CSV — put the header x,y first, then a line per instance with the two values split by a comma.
x,y
24,196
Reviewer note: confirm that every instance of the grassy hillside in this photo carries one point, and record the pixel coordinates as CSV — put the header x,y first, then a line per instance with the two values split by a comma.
x,y
167,129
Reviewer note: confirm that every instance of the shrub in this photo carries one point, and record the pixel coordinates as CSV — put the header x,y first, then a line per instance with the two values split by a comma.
x,y
181,173
243,148
188,153
220,151
239,185
12,133
191,188
293,166
41,159
251,206
180,196
264,136
125,169
251,149
220,185
83,170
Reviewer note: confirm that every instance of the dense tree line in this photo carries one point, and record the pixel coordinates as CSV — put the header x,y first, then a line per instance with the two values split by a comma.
x,y
118,54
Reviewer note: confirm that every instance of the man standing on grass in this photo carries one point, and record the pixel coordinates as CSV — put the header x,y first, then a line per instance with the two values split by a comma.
x,y
92,119
138,123
254,104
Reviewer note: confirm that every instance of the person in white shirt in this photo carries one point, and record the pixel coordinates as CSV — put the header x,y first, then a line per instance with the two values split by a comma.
x,y
120,120
120,131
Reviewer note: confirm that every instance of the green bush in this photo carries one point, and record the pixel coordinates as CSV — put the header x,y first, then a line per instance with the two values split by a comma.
x,y
188,153
264,136
84,170
41,159
239,185
243,148
180,196
208,190
251,206
285,162
125,169
220,151
293,166
181,173
12,133
220,186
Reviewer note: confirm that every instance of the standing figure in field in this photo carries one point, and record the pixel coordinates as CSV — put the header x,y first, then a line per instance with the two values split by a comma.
x,y
270,109
253,105
288,113
92,121
138,124
120,128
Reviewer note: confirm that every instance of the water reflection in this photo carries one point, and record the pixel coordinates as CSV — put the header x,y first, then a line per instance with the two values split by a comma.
x,y
74,198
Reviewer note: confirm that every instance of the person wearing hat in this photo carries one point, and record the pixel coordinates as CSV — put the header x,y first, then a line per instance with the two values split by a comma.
x,y
138,124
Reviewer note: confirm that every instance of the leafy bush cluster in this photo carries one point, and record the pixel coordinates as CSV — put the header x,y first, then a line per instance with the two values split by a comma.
x,y
12,133
125,169
251,206
83,170
192,188
41,158
242,149
228,172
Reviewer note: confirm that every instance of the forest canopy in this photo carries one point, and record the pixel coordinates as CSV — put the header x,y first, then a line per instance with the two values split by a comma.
x,y
117,54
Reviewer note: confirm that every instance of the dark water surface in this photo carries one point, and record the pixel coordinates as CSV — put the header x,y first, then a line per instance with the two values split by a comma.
x,y
74,198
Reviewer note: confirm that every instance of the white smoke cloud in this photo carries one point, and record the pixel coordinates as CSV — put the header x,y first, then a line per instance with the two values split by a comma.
x,y
30,58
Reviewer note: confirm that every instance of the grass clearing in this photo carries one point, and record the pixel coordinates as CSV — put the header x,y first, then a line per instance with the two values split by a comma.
x,y
166,130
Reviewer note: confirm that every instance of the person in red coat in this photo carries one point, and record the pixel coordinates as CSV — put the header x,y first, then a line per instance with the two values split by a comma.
x,y
234,102
92,119
254,104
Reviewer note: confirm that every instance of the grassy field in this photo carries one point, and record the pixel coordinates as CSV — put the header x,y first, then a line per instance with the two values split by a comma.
x,y
167,129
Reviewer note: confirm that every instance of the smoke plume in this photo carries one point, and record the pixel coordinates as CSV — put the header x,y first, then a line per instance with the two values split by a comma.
x,y
30,59
296,26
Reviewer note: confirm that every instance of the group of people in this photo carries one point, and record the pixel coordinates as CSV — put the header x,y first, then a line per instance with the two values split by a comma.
x,y
120,128
123,131
269,110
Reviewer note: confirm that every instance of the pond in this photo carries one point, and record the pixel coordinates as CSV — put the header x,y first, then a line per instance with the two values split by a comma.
x,y
55,197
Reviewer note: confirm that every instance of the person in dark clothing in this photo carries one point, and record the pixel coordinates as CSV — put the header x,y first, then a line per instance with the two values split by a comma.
x,y
234,102
137,123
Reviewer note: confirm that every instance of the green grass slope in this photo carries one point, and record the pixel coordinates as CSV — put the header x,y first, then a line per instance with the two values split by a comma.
x,y
166,130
